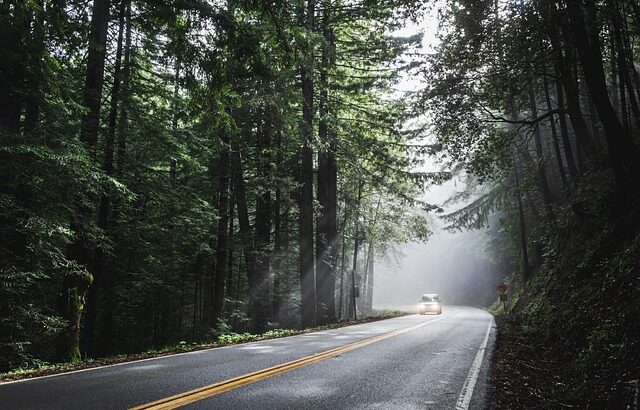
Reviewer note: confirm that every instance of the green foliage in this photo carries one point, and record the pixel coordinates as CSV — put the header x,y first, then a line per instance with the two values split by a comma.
x,y
234,338
513,102
39,186
120,234
581,310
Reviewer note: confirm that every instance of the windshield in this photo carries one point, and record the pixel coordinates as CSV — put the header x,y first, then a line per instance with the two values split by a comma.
x,y
429,299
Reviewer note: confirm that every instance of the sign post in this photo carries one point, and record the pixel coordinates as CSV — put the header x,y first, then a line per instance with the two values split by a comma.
x,y
502,291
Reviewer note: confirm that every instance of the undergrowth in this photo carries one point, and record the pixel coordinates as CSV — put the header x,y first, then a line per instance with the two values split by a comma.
x,y
572,338
224,339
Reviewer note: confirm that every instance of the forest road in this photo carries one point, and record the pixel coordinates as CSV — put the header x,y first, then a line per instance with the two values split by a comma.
x,y
409,362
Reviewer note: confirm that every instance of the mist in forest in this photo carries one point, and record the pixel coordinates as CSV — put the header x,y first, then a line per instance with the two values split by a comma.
x,y
450,264
453,264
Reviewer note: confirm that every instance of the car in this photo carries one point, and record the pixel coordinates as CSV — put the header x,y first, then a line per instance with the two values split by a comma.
x,y
430,303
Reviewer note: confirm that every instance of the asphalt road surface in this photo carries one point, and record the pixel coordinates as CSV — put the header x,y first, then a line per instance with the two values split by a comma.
x,y
410,362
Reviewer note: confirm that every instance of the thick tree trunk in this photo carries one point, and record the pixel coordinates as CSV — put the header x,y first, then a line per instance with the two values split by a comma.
x,y
288,274
13,35
34,78
278,275
126,95
72,304
104,211
564,132
95,74
222,245
554,133
539,163
326,236
231,277
197,296
367,296
263,225
586,147
343,263
368,302
615,98
246,237
364,293
305,195
115,94
78,250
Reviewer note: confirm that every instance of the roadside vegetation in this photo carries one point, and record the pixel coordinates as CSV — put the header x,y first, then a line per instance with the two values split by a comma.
x,y
537,105
223,339
571,339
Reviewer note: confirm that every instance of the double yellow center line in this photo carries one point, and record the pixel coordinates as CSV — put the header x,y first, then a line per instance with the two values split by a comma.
x,y
191,396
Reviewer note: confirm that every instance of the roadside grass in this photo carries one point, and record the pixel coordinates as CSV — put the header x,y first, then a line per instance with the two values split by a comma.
x,y
45,369
496,309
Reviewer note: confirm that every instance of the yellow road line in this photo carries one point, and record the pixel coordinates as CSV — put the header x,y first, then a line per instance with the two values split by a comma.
x,y
191,396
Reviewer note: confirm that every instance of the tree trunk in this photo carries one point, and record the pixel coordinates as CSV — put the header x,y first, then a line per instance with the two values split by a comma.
x,y
222,245
104,211
246,239
564,132
13,36
539,163
95,74
343,257
356,246
622,53
196,297
615,98
326,236
72,298
230,273
368,303
305,195
623,153
78,250
34,77
263,224
554,133
126,95
278,245
523,233
563,69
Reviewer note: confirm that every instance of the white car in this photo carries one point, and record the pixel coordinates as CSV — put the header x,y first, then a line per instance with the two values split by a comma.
x,y
430,303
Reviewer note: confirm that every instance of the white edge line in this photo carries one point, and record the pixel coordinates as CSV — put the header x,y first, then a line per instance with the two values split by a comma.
x,y
464,400
4,383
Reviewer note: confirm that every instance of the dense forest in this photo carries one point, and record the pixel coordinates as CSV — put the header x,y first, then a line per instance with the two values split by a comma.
x,y
175,170
538,104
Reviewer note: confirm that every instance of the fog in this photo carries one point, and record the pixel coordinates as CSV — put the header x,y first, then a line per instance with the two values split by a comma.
x,y
454,265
